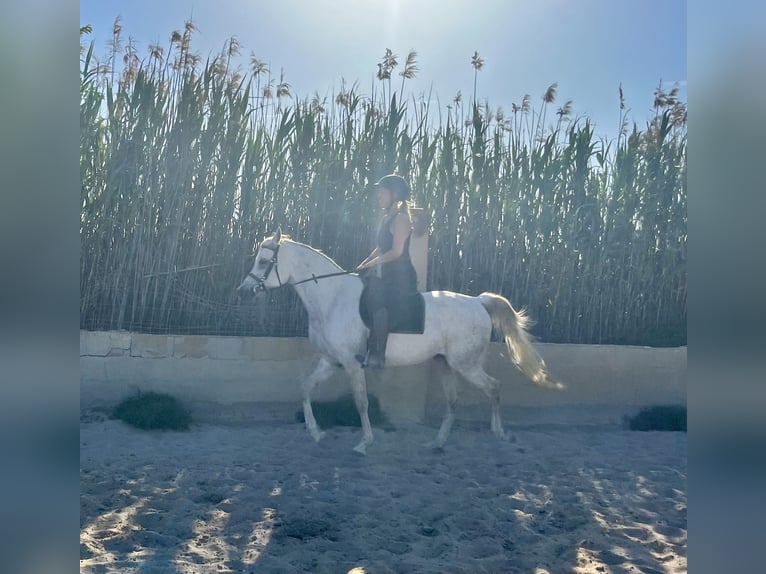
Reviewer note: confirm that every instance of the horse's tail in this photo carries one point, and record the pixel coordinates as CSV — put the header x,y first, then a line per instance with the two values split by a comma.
x,y
511,325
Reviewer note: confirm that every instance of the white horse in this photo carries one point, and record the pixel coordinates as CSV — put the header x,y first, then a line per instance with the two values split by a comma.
x,y
457,327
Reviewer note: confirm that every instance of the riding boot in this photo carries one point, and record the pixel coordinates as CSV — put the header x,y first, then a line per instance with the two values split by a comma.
x,y
379,339
376,344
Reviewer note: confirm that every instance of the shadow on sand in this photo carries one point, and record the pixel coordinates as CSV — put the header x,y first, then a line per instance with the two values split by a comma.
x,y
265,499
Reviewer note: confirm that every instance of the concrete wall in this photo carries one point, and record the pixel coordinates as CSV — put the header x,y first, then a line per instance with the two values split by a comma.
x,y
243,379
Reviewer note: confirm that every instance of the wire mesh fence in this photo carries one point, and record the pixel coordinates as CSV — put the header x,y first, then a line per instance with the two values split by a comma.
x,y
185,167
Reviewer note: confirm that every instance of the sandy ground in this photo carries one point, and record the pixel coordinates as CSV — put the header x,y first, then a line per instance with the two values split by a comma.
x,y
264,498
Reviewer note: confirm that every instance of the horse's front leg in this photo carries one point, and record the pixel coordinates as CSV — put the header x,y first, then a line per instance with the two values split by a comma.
x,y
321,372
359,388
449,384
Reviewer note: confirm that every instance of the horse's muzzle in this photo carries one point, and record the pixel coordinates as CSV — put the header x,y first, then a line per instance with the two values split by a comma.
x,y
246,292
249,288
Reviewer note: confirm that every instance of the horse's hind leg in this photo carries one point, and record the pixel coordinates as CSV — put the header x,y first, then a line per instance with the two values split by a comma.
x,y
359,388
491,387
321,372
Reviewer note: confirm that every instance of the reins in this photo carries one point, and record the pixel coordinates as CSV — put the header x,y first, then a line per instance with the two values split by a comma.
x,y
316,278
273,266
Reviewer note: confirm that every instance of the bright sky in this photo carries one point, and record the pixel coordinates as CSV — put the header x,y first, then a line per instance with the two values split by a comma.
x,y
588,47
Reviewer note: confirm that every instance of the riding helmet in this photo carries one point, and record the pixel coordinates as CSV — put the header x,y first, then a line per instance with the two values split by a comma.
x,y
397,184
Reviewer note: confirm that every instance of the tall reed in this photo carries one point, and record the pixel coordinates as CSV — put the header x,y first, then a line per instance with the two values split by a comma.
x,y
186,164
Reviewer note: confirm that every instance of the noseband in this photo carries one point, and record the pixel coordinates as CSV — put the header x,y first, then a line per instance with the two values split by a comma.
x,y
260,282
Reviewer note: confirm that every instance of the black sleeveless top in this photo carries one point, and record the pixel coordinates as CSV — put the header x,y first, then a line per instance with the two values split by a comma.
x,y
399,275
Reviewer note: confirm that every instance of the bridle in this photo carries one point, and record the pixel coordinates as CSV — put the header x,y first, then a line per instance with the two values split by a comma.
x,y
272,265
260,282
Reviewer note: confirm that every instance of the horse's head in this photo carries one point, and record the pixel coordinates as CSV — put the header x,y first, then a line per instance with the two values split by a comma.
x,y
265,272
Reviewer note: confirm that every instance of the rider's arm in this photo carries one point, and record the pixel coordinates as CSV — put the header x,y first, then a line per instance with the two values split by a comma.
x,y
370,257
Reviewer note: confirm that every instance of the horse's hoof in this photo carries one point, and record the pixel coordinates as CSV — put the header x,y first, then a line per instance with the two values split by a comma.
x,y
361,448
318,436
435,446
505,436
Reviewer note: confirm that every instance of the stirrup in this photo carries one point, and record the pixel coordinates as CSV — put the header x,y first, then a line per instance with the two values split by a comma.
x,y
370,361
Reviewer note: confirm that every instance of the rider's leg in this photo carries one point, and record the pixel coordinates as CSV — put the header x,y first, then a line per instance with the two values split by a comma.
x,y
375,303
376,353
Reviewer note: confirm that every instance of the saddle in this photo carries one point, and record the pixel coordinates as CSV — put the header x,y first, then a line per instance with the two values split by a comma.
x,y
408,316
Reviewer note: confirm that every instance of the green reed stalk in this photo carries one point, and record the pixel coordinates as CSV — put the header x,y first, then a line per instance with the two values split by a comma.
x,y
185,167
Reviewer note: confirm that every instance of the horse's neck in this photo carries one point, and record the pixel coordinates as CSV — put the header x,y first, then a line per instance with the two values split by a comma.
x,y
318,296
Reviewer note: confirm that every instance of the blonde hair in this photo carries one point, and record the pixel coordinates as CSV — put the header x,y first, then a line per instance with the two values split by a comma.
x,y
402,206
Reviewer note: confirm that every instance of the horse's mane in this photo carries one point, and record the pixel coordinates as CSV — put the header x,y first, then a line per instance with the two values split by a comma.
x,y
315,250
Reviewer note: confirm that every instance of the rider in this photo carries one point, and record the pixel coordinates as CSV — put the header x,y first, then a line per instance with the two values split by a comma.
x,y
393,276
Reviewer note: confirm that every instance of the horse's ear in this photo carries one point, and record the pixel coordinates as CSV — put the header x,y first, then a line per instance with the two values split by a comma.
x,y
278,235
